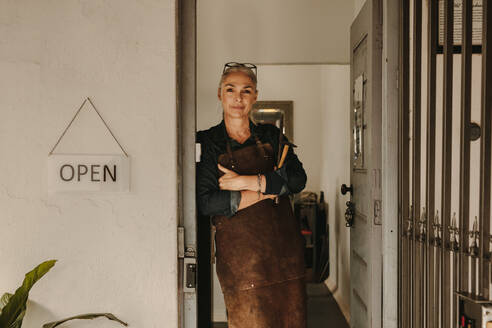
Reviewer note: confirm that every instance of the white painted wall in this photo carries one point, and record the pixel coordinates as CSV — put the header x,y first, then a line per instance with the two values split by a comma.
x,y
321,96
335,170
116,252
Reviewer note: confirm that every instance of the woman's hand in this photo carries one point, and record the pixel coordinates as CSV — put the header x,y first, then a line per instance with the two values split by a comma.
x,y
233,181
247,184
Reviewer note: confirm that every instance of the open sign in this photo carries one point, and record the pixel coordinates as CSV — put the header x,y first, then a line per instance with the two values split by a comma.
x,y
88,173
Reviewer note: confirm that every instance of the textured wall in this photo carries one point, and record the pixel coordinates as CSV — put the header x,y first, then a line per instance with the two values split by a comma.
x,y
116,252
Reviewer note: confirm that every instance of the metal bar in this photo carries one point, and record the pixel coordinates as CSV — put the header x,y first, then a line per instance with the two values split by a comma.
x,y
466,75
438,285
485,153
417,77
423,284
446,312
474,276
432,28
405,294
461,265
411,257
456,282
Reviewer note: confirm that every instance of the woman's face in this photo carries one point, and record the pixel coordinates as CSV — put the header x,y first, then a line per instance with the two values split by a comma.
x,y
237,94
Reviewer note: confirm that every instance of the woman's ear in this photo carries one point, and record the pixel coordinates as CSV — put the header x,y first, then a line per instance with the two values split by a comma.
x,y
218,94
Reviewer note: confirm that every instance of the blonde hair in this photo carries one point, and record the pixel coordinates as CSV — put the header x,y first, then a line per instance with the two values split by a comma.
x,y
246,70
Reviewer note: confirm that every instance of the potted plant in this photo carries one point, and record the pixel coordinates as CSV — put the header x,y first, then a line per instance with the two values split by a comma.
x,y
13,306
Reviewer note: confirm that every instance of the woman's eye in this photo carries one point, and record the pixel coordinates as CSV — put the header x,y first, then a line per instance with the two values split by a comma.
x,y
247,91
229,90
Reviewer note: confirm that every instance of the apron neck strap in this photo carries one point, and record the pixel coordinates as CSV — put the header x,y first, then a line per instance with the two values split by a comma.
x,y
259,144
229,148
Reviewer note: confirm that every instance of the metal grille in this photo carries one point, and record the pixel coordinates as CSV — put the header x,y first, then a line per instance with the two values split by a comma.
x,y
444,247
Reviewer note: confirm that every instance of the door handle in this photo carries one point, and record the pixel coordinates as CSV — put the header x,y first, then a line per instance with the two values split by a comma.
x,y
344,189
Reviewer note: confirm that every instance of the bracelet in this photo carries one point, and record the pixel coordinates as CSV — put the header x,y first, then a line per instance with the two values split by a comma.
x,y
259,185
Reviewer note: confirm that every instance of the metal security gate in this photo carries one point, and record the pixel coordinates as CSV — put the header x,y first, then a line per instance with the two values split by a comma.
x,y
445,72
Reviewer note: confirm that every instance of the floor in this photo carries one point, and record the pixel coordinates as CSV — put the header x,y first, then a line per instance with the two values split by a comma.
x,y
323,310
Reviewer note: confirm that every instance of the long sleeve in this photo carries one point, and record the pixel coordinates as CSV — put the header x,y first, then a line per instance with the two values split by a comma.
x,y
210,199
289,179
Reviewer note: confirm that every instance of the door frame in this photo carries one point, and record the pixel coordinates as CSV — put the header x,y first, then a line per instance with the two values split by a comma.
x,y
186,38
185,22
390,161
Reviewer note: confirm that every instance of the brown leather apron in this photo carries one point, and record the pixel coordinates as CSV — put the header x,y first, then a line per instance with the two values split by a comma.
x,y
260,253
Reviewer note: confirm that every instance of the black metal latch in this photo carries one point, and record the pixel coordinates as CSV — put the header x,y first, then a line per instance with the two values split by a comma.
x,y
349,214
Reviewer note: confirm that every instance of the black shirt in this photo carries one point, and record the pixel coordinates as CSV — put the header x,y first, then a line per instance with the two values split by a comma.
x,y
291,178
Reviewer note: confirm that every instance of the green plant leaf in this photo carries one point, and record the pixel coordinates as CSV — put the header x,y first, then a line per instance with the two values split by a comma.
x,y
13,312
18,322
4,300
110,316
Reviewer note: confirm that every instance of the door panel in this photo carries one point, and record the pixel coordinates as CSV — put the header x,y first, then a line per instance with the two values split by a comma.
x,y
365,234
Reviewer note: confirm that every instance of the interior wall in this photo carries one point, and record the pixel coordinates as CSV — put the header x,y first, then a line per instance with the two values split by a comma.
x,y
265,32
318,128
116,251
335,170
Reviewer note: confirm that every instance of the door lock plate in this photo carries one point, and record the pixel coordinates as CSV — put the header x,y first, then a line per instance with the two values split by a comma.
x,y
189,281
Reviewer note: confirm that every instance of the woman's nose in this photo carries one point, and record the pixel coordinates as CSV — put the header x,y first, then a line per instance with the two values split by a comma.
x,y
238,97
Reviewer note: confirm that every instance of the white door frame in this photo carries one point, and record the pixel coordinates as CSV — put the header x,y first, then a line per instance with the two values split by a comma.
x,y
186,117
390,58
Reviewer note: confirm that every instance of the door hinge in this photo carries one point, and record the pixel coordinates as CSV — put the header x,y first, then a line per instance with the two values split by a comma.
x,y
188,254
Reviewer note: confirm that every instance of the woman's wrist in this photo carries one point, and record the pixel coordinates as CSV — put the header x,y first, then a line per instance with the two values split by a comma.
x,y
252,183
256,183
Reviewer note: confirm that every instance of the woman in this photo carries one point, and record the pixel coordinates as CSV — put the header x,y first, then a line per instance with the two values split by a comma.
x,y
259,247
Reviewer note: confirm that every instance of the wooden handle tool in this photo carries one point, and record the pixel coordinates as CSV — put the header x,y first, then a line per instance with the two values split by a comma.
x,y
282,160
284,154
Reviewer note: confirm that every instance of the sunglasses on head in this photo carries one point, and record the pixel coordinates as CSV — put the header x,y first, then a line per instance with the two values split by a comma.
x,y
234,64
